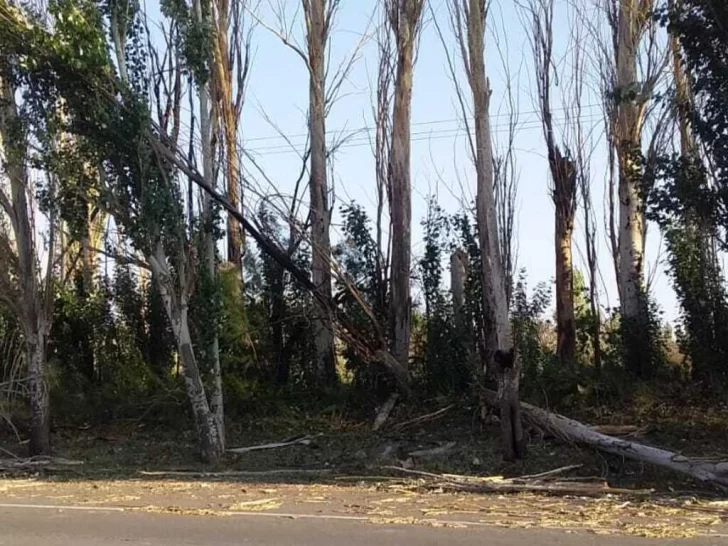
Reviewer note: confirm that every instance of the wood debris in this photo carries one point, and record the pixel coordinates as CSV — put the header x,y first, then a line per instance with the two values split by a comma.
x,y
498,484
301,440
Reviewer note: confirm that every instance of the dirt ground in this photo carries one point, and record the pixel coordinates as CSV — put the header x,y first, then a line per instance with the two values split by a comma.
x,y
345,470
381,501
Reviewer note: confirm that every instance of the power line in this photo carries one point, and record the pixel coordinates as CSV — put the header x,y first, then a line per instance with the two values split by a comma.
x,y
363,140
370,128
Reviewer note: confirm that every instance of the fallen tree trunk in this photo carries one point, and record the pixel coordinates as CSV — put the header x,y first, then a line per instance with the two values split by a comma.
x,y
715,473
303,440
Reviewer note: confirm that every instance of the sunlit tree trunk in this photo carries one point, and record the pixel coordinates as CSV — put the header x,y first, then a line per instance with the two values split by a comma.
x,y
499,339
405,20
317,34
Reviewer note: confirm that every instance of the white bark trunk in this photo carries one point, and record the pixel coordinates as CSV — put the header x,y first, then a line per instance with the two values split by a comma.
x,y
405,26
628,141
317,37
216,392
574,431
499,338
39,396
207,425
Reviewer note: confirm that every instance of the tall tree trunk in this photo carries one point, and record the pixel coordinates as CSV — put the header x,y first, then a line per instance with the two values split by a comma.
x,y
317,36
563,175
404,17
208,246
228,109
34,316
499,339
628,137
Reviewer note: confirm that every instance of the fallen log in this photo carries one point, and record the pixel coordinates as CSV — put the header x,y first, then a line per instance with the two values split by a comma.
x,y
236,473
304,440
384,411
433,453
423,418
714,473
620,430
47,463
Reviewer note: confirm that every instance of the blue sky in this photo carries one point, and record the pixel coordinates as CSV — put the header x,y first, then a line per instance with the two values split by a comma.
x,y
278,92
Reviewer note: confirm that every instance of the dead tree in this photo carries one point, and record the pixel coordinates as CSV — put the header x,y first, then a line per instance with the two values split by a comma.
x,y
468,20
405,20
563,177
325,84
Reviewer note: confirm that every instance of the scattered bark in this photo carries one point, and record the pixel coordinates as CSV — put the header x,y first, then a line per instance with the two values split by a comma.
x,y
34,463
499,484
424,418
236,473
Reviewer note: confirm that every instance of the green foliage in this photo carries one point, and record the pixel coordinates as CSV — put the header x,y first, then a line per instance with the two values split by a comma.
x,y
98,356
544,377
683,211
700,25
194,35
445,365
360,263
465,237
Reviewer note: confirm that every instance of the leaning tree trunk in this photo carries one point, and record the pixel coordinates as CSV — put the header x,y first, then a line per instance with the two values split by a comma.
x,y
405,20
317,35
499,337
207,426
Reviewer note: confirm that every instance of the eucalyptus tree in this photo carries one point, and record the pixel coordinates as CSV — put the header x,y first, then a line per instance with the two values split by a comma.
x,y
106,108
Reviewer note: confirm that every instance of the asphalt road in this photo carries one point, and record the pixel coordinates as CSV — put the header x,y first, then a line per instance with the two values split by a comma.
x,y
50,526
